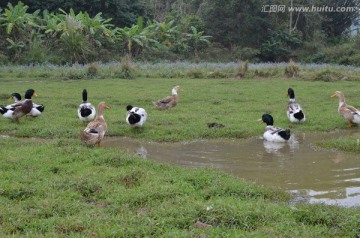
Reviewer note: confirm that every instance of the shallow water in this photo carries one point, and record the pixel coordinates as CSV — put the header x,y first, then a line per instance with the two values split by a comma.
x,y
312,174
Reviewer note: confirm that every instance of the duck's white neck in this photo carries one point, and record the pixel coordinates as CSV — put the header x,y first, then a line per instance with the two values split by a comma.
x,y
342,103
269,127
174,91
292,100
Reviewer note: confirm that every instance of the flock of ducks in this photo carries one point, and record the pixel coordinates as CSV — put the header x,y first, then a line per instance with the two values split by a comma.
x,y
21,108
96,128
295,114
94,132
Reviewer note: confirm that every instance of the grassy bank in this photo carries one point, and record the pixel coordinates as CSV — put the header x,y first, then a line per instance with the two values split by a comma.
x,y
57,188
52,186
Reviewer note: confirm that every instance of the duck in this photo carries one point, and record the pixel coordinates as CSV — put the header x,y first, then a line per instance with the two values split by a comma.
x,y
16,97
95,131
346,111
272,133
19,108
169,101
135,116
86,111
36,110
294,111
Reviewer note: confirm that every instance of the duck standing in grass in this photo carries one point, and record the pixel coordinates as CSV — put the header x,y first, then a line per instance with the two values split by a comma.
x,y
86,111
346,111
95,131
36,110
272,133
294,111
169,101
135,116
20,108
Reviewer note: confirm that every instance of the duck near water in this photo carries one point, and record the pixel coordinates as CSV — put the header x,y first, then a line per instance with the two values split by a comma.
x,y
95,131
346,111
86,111
169,101
19,108
272,133
294,111
135,116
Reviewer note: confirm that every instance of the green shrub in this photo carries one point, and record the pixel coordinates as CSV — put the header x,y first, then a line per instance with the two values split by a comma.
x,y
93,70
246,53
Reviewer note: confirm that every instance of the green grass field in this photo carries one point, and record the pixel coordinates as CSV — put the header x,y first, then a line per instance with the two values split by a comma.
x,y
237,104
53,186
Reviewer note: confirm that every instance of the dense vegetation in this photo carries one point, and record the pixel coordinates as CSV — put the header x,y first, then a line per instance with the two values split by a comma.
x,y
67,31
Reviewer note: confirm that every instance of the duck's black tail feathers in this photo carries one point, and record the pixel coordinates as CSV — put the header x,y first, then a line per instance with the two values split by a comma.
x,y
40,108
3,110
299,115
134,118
285,134
85,112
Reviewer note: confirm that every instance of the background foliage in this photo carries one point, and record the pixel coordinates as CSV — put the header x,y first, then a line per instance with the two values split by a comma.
x,y
69,31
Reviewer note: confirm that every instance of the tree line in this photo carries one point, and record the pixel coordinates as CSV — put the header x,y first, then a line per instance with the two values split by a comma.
x,y
64,31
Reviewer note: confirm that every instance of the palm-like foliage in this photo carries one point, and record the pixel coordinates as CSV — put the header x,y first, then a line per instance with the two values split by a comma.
x,y
16,19
79,35
165,32
196,40
133,39
20,28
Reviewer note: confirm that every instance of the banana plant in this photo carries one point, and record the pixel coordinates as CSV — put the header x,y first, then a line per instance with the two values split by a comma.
x,y
16,19
133,39
196,40
164,32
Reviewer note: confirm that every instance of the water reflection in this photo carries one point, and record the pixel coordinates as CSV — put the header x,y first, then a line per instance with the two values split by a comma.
x,y
311,173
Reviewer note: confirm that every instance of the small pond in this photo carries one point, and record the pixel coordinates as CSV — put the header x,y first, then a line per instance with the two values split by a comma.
x,y
312,174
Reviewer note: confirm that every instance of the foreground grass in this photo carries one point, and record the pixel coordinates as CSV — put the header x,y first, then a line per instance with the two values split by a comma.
x,y
56,188
52,186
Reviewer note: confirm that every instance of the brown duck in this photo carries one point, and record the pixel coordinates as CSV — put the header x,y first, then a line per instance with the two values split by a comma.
x,y
20,108
169,101
95,131
346,111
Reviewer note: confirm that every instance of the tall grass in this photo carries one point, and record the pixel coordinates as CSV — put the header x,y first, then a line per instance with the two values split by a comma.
x,y
127,67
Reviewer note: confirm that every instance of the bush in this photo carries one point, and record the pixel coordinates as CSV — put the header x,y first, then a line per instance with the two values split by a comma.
x,y
246,53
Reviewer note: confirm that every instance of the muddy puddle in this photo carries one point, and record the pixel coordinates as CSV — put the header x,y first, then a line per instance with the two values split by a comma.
x,y
312,174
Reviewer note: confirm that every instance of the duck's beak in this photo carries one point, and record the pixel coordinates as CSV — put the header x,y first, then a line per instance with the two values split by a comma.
x,y
35,94
107,107
260,120
334,95
9,99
